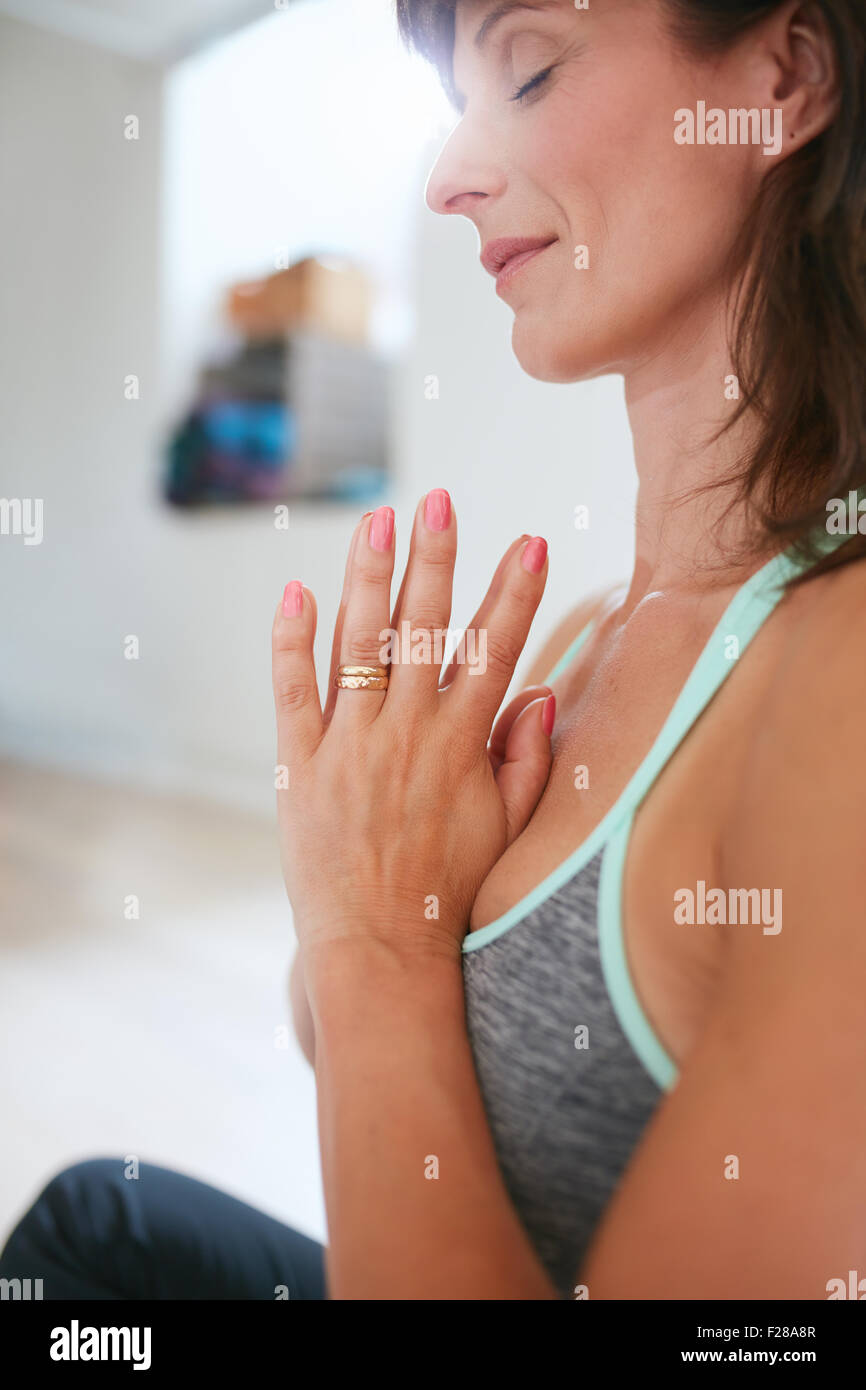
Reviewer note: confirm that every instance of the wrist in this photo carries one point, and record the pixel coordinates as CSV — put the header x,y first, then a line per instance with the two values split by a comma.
x,y
338,947
366,977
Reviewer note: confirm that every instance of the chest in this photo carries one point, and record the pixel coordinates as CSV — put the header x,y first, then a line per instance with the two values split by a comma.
x,y
607,721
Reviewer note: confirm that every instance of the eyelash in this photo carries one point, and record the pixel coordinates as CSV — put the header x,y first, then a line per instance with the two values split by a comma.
x,y
534,82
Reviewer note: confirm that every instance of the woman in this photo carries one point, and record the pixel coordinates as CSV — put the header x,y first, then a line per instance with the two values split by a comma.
x,y
585,996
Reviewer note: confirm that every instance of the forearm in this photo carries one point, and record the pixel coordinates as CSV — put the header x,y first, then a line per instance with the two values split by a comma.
x,y
417,1208
300,1006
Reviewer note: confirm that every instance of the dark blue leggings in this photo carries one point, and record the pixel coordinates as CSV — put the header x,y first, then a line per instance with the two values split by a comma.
x,y
93,1233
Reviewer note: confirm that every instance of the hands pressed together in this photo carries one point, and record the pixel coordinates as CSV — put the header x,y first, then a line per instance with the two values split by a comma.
x,y
400,800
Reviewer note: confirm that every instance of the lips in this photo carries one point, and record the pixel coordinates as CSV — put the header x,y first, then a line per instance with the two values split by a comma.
x,y
506,253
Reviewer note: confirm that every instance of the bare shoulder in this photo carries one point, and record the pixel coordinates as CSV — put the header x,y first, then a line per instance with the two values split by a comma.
x,y
567,630
814,701
797,823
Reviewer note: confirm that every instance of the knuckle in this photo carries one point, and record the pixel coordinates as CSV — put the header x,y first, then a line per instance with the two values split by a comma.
x,y
362,646
503,651
523,602
285,643
424,619
292,696
371,575
436,557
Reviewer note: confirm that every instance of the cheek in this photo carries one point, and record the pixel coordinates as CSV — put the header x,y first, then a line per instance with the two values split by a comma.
x,y
658,219
653,214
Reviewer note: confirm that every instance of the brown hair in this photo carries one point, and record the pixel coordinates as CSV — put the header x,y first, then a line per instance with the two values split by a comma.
x,y
799,341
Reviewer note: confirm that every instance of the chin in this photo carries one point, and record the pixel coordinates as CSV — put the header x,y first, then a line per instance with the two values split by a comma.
x,y
546,358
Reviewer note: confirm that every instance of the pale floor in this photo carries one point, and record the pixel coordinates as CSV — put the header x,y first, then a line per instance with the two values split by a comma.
x,y
157,1037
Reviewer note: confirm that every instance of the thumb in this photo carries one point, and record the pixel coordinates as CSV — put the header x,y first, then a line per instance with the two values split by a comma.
x,y
522,776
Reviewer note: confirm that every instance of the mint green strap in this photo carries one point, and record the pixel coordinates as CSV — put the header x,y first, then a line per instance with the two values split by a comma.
x,y
743,617
570,651
614,963
741,620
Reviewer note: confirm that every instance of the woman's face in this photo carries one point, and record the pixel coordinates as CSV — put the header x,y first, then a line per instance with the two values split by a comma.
x,y
586,158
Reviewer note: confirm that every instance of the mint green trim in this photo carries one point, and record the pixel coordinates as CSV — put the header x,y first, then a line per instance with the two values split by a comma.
x,y
614,962
576,861
571,651
747,610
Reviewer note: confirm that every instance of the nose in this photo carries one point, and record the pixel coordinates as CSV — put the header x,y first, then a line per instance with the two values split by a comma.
x,y
466,172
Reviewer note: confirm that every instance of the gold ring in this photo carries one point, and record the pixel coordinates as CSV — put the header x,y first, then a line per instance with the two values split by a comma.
x,y
362,678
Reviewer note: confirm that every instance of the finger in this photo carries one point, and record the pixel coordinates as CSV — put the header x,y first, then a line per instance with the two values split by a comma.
x,y
398,610
523,775
503,725
478,690
331,696
296,693
480,619
366,617
422,631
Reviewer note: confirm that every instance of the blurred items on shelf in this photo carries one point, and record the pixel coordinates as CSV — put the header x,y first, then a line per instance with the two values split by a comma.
x,y
300,409
327,297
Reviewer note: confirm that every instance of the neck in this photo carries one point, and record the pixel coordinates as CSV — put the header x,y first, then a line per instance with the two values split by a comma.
x,y
676,404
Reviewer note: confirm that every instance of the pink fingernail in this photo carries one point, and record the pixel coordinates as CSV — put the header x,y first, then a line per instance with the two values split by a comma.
x,y
437,509
534,555
293,599
548,714
382,528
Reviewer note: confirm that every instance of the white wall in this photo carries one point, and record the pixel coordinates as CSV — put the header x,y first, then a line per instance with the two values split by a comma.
x,y
80,287
77,290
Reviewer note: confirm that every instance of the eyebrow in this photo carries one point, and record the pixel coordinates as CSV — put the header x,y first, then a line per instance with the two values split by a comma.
x,y
502,10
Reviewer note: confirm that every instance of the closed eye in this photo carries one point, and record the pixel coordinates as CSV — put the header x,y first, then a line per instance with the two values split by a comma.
x,y
534,82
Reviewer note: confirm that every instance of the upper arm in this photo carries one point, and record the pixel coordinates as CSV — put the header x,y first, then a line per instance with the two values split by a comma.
x,y
749,1180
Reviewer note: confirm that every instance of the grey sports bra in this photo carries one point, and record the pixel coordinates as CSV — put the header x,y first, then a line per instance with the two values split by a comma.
x,y
569,1066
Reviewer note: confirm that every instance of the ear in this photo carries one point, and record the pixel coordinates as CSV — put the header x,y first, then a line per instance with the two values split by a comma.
x,y
800,72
